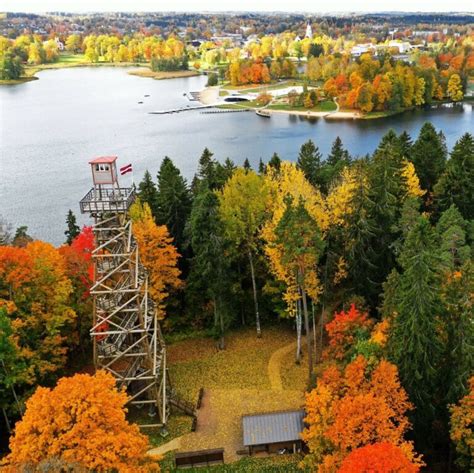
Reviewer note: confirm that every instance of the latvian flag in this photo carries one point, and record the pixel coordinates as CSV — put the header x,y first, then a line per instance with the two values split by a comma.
x,y
125,169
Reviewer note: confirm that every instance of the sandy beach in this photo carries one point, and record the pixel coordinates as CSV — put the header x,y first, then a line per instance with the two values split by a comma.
x,y
210,95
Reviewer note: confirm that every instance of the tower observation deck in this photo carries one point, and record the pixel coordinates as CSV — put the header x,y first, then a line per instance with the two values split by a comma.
x,y
127,339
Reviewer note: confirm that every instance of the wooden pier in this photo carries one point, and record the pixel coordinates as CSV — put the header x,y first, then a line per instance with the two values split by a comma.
x,y
227,110
181,109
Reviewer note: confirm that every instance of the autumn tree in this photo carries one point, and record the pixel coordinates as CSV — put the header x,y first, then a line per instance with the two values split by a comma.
x,y
243,207
454,90
343,332
300,243
157,254
462,429
353,408
34,283
80,271
381,457
81,421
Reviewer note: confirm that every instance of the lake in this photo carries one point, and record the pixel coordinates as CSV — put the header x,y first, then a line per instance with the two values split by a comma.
x,y
51,127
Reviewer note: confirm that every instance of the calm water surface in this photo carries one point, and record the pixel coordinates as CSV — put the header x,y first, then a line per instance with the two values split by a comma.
x,y
51,127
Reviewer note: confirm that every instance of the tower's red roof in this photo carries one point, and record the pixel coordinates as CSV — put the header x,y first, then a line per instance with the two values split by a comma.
x,y
103,160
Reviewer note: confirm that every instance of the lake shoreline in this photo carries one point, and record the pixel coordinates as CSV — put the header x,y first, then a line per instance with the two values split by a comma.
x,y
30,71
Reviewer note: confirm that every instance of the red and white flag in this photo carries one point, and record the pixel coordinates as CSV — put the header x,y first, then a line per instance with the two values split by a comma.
x,y
125,169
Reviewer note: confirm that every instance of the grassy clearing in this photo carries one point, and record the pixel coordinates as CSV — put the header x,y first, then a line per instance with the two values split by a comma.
x,y
243,365
235,381
325,106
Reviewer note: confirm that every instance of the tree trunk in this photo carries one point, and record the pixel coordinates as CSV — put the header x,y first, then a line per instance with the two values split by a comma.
x,y
218,321
242,313
308,334
221,318
254,284
314,332
298,333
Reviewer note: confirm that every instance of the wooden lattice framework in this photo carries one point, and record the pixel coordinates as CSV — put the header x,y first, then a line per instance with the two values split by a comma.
x,y
127,339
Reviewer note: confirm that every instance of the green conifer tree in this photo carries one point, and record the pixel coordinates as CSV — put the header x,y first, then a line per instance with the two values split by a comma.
x,y
456,184
414,341
173,201
309,161
147,192
429,156
72,228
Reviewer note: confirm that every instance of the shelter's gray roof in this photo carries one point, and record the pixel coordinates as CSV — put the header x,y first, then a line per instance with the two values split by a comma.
x,y
272,427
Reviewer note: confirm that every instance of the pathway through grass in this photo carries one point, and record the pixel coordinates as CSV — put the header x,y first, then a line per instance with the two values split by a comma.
x,y
248,377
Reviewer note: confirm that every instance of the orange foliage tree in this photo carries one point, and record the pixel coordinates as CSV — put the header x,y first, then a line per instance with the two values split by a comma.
x,y
157,254
80,270
81,422
462,428
353,408
382,457
33,281
343,331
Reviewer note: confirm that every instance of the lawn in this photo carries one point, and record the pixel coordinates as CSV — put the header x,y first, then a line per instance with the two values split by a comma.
x,y
324,106
251,375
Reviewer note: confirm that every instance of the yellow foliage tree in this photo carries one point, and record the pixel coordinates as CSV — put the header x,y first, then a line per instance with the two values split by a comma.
x,y
340,197
290,181
157,254
454,89
80,423
411,181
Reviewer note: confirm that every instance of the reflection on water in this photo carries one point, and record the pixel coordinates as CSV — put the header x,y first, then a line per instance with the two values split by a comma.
x,y
50,128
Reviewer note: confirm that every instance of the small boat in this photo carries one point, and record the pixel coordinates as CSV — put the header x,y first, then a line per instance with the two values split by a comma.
x,y
263,113
140,102
147,95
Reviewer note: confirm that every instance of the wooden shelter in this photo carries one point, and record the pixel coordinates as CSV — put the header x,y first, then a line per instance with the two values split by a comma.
x,y
273,432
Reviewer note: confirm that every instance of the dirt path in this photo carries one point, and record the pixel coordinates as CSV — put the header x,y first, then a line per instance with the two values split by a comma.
x,y
274,366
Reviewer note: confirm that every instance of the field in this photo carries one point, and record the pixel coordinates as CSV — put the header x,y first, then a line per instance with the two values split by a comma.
x,y
251,375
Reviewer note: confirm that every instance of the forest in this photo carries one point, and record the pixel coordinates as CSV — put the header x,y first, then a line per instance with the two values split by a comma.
x,y
368,259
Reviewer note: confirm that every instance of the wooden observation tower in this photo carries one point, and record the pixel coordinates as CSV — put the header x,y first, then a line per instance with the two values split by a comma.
x,y
125,331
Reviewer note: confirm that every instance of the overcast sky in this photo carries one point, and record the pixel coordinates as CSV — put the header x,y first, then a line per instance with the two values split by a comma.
x,y
311,6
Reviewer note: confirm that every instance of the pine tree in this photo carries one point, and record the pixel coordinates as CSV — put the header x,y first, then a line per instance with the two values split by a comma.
x,y
337,160
275,162
385,195
451,229
414,343
261,167
406,144
429,156
148,193
309,161
72,228
246,165
209,266
456,184
173,201
360,234
338,154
